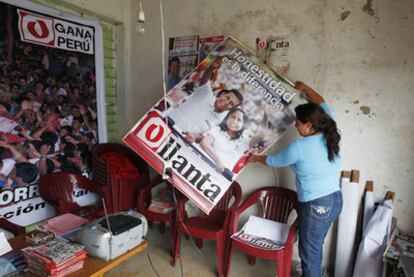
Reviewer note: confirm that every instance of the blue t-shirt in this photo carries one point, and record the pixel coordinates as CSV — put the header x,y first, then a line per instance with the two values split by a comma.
x,y
172,81
316,176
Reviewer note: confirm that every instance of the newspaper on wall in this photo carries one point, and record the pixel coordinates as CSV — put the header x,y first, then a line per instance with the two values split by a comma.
x,y
203,131
185,49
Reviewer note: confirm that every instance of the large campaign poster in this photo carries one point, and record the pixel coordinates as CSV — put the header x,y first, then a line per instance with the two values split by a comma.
x,y
202,133
51,104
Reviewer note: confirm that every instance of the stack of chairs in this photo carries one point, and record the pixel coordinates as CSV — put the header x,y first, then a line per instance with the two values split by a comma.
x,y
120,194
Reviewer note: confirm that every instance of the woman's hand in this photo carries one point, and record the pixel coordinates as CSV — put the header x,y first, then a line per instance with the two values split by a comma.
x,y
312,95
189,137
257,158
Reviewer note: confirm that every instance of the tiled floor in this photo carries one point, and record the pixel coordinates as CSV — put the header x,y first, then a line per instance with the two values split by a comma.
x,y
194,263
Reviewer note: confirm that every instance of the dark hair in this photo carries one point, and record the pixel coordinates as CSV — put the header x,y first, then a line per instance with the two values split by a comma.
x,y
27,171
174,59
223,124
50,138
234,91
69,149
321,122
50,166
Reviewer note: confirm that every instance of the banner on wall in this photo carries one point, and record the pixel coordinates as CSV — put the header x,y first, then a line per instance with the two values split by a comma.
x,y
51,96
54,32
202,133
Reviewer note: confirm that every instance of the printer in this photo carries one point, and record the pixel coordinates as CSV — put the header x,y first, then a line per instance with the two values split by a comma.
x,y
126,230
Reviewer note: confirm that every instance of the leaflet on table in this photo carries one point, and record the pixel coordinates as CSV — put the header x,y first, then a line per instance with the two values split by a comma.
x,y
203,131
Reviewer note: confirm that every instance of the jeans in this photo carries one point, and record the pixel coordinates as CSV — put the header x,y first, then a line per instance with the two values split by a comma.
x,y
315,218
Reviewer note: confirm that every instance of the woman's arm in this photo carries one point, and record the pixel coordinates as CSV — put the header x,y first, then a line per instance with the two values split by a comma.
x,y
310,93
206,145
285,157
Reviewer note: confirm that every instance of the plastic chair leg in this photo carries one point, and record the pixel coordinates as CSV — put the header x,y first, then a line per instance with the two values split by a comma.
x,y
220,255
199,243
287,260
176,250
162,227
251,260
280,268
228,258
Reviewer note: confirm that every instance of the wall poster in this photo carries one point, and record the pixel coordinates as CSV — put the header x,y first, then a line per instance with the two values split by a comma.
x,y
230,106
51,103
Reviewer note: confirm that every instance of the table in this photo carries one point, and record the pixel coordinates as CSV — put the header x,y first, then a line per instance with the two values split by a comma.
x,y
92,267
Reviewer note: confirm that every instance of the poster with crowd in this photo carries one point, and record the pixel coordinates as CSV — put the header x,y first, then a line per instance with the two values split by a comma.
x,y
50,84
203,131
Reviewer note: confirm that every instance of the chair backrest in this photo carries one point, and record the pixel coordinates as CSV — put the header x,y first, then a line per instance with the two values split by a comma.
x,y
57,188
276,202
220,210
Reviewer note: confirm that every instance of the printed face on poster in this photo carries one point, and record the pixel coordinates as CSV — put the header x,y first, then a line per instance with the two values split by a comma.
x,y
50,88
229,107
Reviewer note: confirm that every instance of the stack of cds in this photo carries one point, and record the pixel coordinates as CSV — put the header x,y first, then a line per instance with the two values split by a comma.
x,y
55,258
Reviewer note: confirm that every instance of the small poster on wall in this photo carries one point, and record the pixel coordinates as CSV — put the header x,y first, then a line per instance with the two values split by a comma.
x,y
185,53
182,58
201,134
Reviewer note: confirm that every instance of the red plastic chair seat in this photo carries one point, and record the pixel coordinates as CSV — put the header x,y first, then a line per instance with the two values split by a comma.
x,y
202,227
262,254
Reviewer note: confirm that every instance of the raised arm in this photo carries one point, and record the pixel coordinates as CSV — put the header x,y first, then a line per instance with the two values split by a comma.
x,y
310,93
18,156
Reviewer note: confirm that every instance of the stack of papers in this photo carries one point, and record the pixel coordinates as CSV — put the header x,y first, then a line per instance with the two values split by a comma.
x,y
263,233
55,258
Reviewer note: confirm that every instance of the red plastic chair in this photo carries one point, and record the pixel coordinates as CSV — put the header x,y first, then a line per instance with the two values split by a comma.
x,y
277,203
144,201
57,189
213,226
121,193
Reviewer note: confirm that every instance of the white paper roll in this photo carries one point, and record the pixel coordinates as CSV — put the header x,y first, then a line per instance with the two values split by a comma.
x,y
345,246
369,260
369,206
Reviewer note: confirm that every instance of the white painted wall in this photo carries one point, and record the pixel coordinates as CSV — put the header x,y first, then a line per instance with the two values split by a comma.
x,y
358,54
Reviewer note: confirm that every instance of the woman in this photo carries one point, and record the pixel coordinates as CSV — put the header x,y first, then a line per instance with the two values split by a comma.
x,y
316,163
227,142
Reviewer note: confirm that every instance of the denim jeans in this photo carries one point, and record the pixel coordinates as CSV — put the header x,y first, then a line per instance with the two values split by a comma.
x,y
315,218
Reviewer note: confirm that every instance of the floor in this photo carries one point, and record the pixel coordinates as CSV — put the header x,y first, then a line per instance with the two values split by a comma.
x,y
194,263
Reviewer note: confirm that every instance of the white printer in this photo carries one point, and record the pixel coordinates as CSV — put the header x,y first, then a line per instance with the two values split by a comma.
x,y
128,231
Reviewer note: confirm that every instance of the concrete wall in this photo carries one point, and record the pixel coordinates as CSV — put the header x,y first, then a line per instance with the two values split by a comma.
x,y
358,54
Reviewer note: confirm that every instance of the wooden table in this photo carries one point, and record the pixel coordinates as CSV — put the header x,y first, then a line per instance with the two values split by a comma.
x,y
92,267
